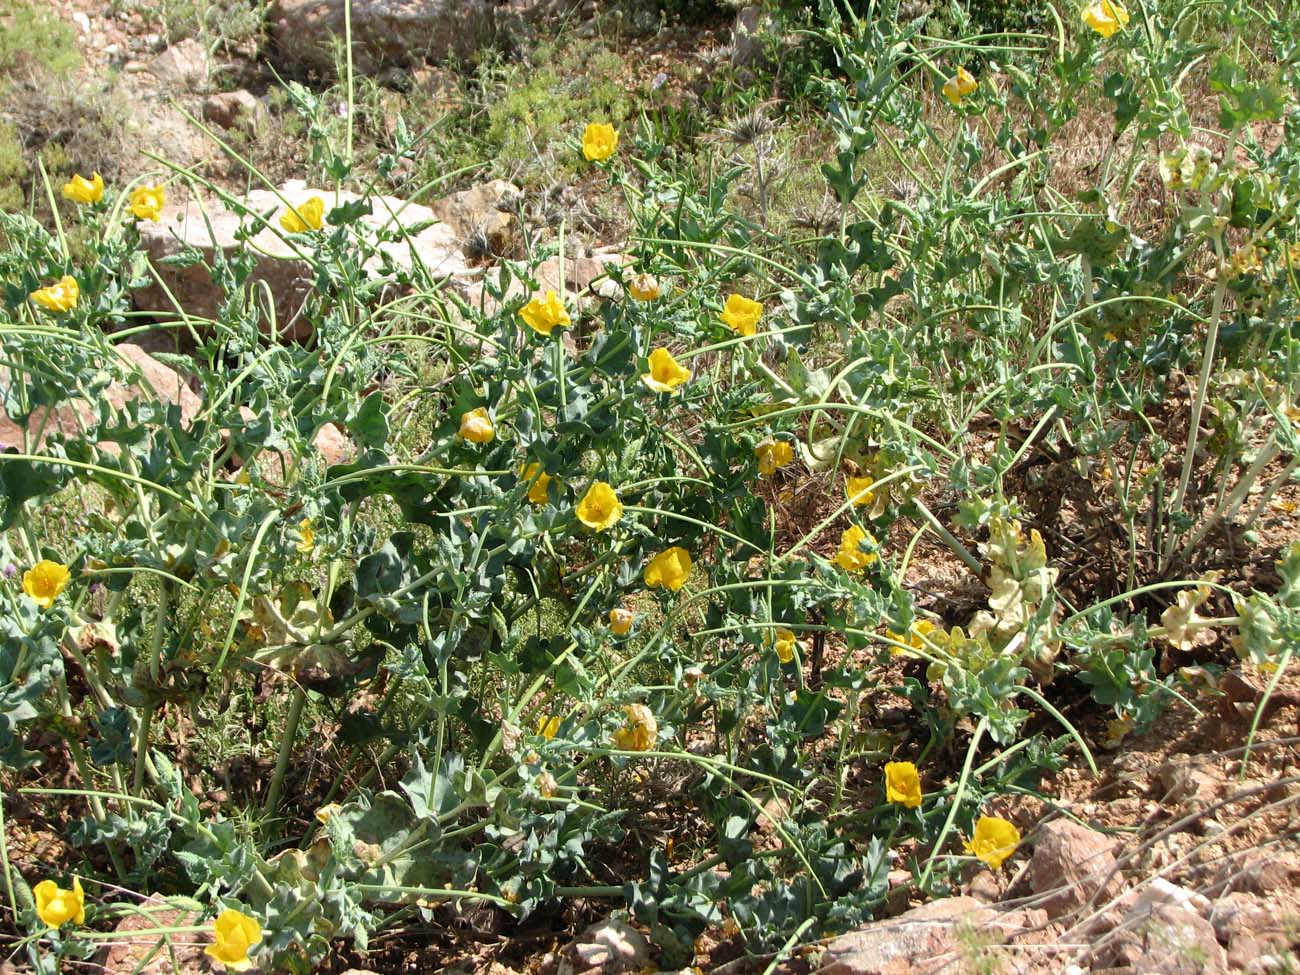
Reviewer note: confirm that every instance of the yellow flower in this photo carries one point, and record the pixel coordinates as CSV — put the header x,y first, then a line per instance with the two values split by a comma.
x,y
640,731
543,314
773,454
915,637
600,507
621,620
44,581
56,906
859,490
1105,17
304,217
960,85
643,287
785,645
995,839
665,374
902,784
82,190
668,569
476,426
850,557
307,536
548,725
742,314
147,202
58,297
599,140
235,933
539,483
546,785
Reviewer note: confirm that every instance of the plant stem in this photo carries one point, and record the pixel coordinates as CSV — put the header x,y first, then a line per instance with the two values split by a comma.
x,y
286,749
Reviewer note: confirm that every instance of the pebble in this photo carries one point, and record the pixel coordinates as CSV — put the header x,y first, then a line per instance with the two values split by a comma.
x,y
82,21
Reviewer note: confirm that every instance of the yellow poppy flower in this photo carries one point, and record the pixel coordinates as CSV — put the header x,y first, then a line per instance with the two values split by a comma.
x,y
146,202
621,620
742,314
548,725
902,784
234,934
600,507
995,839
859,490
960,85
773,454
665,374
546,785
539,483
82,190
44,581
304,217
58,297
915,637
306,536
640,731
669,569
599,140
543,314
56,906
850,557
476,426
785,645
643,287
1105,17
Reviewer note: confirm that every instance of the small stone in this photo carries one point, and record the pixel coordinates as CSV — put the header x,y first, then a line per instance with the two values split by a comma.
x,y
82,21
1072,866
610,946
184,64
229,109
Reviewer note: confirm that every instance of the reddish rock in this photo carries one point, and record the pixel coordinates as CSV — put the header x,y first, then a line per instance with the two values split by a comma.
x,y
1072,866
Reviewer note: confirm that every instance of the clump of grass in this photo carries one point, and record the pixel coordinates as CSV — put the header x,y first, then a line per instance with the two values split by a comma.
x,y
34,40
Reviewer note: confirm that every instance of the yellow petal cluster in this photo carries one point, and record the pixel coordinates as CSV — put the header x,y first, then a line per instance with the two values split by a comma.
x,y
859,490
476,426
44,581
666,373
643,287
741,314
539,483
599,140
639,732
82,190
600,508
995,839
902,784
233,934
304,217
785,645
58,297
850,557
146,202
914,638
1106,17
669,569
773,454
56,906
960,85
621,620
306,536
548,725
542,315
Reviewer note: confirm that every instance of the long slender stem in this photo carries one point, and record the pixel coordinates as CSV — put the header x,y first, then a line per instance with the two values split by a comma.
x,y
286,749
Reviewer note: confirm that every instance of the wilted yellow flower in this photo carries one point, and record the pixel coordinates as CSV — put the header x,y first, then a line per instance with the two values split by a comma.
x,y
785,644
543,314
640,731
621,620
902,784
960,85
859,490
82,190
304,217
546,785
643,287
56,906
665,374
147,202
539,483
58,297
1105,17
915,637
669,569
599,140
548,725
995,839
306,536
850,557
476,426
234,934
600,507
742,314
44,581
773,454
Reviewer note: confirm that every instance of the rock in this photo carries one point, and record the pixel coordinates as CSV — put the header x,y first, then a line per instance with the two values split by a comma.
x,y
607,947
230,109
289,277
156,954
1161,892
183,65
1072,866
1265,873
1190,783
157,381
481,218
1165,939
927,940
385,33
